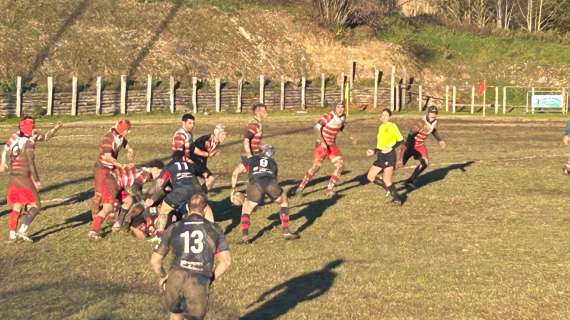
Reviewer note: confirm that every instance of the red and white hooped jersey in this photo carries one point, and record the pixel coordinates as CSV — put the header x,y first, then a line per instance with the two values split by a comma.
x,y
253,132
330,125
181,141
424,131
111,143
127,177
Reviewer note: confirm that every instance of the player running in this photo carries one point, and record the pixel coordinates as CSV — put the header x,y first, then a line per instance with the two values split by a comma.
x,y
24,182
263,181
415,143
36,136
251,140
105,186
181,177
388,139
182,139
194,242
328,128
206,147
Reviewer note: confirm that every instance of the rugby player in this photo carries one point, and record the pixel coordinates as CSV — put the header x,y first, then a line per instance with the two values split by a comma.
x,y
388,139
206,147
194,243
24,181
415,143
262,182
328,127
251,144
182,139
105,186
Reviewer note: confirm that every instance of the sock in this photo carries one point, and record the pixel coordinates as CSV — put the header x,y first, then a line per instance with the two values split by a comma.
x,y
23,227
96,224
245,222
13,220
284,216
418,170
308,176
12,234
332,182
31,215
380,182
121,216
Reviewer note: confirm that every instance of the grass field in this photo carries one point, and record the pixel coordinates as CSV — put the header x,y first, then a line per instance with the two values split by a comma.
x,y
485,236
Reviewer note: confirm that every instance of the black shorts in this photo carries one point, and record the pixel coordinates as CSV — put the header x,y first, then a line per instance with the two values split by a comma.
x,y
178,197
187,293
201,168
256,190
385,160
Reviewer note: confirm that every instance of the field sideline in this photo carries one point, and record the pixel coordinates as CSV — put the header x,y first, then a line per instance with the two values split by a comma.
x,y
485,236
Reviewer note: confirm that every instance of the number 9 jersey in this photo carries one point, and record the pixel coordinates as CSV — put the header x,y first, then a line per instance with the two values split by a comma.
x,y
194,242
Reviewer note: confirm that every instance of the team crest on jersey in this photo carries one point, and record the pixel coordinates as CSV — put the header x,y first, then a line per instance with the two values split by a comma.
x,y
18,146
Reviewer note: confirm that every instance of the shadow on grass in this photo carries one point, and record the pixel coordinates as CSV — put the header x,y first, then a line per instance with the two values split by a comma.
x,y
290,293
73,222
435,176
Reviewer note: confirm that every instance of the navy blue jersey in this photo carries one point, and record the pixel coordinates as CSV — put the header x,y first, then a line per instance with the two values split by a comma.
x,y
262,167
180,175
194,242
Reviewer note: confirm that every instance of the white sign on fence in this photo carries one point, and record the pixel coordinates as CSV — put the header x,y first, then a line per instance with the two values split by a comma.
x,y
553,101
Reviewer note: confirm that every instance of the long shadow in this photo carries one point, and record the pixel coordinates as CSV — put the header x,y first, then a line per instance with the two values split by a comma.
x,y
224,210
311,212
73,222
44,53
435,175
161,28
320,180
290,293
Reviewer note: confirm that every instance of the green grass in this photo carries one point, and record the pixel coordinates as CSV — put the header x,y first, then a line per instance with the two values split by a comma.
x,y
484,237
478,54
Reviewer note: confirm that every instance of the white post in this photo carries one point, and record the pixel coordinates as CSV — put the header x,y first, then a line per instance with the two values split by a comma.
x,y
98,88
282,101
194,95
303,88
567,94
496,100
392,88
148,93
351,80
531,104
50,96
484,100
342,84
420,98
323,79
171,95
446,98
218,95
397,97
123,94
74,96
376,79
472,99
19,96
564,106
504,100
239,93
454,99
262,89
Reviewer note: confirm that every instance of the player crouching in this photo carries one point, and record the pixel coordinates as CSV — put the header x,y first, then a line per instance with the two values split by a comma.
x,y
263,181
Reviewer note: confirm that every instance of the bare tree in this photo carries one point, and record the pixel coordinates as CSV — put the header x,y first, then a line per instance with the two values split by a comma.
x,y
504,13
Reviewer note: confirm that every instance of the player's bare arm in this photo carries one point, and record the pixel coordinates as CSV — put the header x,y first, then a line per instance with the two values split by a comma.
x,y
224,260
158,269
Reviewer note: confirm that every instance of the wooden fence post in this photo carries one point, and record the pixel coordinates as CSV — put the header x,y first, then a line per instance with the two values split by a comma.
x,y
123,94
531,104
303,89
19,96
98,89
148,93
351,79
194,95
171,95
342,84
504,100
376,80
472,99
262,89
420,98
282,100
74,96
398,97
323,80
454,99
392,88
49,107
484,101
239,93
496,100
218,95
446,98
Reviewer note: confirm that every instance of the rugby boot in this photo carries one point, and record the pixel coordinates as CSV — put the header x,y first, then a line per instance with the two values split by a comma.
x,y
94,235
24,236
288,235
